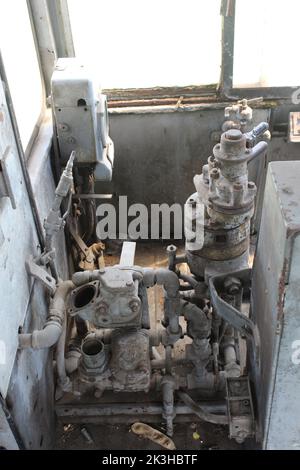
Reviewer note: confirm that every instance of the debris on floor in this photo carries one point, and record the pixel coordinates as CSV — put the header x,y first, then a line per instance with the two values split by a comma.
x,y
148,432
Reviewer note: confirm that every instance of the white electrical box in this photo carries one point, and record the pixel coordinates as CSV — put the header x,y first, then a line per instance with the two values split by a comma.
x,y
81,118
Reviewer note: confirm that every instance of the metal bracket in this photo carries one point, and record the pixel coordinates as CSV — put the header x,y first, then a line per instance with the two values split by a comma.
x,y
5,185
240,408
229,313
89,255
41,274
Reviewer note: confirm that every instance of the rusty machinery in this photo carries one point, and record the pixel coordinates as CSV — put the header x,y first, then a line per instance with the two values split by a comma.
x,y
107,362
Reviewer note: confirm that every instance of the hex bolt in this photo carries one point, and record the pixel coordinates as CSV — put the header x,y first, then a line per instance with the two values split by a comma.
x,y
232,285
214,173
251,185
212,160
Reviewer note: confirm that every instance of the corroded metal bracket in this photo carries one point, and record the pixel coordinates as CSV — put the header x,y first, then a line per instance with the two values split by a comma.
x,y
240,408
40,273
229,313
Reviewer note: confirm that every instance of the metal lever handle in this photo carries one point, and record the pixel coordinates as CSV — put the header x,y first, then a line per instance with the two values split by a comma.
x,y
256,132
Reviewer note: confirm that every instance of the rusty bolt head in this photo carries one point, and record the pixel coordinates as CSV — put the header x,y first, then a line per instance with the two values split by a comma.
x,y
102,309
214,174
232,285
237,186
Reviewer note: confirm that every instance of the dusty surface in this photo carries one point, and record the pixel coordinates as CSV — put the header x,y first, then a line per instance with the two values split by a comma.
x,y
194,436
206,437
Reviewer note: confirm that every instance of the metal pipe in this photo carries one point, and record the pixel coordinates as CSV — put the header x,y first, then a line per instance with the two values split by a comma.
x,y
72,360
97,413
189,279
63,379
232,368
168,387
259,149
51,332
168,279
161,363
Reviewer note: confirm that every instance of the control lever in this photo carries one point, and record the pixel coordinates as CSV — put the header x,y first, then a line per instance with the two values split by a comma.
x,y
260,131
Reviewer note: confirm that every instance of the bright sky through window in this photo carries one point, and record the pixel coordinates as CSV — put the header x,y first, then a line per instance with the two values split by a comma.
x,y
141,44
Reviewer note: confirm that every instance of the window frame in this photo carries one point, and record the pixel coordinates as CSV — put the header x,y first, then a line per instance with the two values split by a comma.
x,y
228,12
57,35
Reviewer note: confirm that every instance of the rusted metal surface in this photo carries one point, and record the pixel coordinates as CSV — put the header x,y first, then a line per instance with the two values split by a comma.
x,y
240,409
124,94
